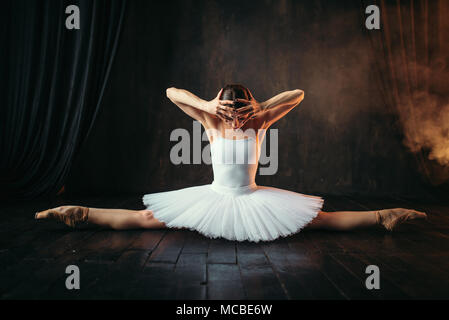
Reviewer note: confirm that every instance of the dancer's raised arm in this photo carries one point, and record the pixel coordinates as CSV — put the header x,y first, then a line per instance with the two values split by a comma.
x,y
196,107
278,106
274,108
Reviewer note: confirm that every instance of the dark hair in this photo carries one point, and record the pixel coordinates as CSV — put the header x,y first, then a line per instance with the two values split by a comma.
x,y
235,91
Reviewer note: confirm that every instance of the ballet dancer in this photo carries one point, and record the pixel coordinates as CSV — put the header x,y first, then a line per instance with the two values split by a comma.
x,y
233,206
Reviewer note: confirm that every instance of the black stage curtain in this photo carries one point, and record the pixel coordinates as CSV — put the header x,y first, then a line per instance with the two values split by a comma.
x,y
412,56
52,84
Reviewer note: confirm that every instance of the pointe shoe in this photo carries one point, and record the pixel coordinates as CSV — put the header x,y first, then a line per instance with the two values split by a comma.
x,y
72,216
390,218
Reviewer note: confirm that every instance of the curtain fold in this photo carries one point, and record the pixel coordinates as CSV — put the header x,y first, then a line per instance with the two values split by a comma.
x,y
52,83
412,58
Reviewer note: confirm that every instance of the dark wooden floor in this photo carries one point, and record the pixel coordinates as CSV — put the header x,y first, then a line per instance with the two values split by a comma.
x,y
169,264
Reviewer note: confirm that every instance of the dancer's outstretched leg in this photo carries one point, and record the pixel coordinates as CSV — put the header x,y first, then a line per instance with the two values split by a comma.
x,y
349,220
118,219
122,219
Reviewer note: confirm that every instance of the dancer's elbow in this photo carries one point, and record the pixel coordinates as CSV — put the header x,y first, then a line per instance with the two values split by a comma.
x,y
299,93
170,92
296,96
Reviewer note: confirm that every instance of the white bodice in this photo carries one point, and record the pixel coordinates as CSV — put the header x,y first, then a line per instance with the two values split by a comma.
x,y
235,162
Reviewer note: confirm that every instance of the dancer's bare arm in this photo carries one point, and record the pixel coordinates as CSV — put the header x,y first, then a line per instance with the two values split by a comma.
x,y
278,106
270,111
196,107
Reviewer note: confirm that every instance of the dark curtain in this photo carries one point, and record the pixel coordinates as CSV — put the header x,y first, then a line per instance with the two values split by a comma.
x,y
52,83
412,56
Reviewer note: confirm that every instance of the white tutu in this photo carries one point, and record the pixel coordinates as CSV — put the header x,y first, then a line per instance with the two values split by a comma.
x,y
233,206
256,214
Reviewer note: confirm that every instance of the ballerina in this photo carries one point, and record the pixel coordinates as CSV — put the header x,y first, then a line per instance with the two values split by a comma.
x,y
233,206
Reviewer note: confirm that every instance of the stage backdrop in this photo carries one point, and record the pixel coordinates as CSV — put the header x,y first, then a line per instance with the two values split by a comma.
x,y
52,82
345,137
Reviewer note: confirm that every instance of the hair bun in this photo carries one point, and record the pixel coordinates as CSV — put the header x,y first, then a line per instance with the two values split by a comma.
x,y
235,91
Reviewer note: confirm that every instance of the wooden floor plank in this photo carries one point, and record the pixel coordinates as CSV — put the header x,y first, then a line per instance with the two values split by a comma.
x,y
259,279
221,251
224,282
251,255
121,275
155,283
17,280
169,248
286,263
196,243
285,259
309,272
147,240
261,282
191,276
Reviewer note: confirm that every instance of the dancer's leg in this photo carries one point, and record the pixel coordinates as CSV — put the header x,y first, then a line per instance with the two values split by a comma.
x,y
121,219
118,219
349,220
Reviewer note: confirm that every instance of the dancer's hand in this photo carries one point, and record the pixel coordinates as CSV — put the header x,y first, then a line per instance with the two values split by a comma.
x,y
233,117
221,108
251,109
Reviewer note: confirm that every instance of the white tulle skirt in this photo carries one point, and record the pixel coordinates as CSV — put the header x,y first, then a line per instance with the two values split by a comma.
x,y
252,213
